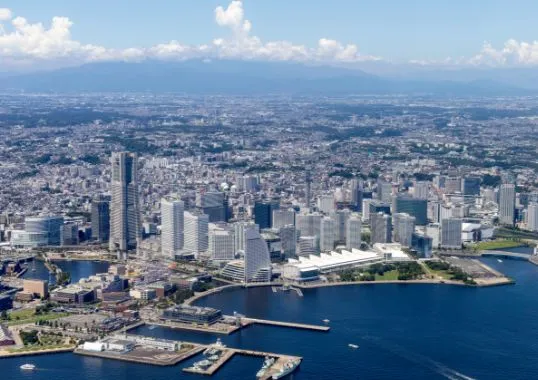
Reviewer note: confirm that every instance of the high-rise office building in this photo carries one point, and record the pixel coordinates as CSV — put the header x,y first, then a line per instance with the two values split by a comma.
x,y
221,244
257,257
356,194
309,224
366,209
378,206
326,203
340,218
452,185
49,226
327,234
308,245
532,217
247,183
507,204
263,213
451,233
403,228
381,227
172,226
384,191
353,232
412,206
283,217
422,244
211,203
195,232
471,185
288,241
239,233
100,219
124,216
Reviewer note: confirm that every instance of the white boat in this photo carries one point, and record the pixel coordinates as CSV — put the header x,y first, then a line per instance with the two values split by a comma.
x,y
203,363
152,327
288,368
499,260
354,346
326,321
28,367
267,363
219,343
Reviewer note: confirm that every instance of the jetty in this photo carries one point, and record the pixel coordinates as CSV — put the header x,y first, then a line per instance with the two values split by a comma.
x,y
249,321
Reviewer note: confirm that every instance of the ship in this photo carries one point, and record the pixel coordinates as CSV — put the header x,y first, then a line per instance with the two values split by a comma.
x,y
268,362
354,346
288,368
203,363
28,367
326,321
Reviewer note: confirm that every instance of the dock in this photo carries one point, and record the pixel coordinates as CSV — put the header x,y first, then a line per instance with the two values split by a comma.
x,y
249,321
230,352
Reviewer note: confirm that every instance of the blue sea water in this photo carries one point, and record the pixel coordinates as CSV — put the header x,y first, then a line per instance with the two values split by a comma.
x,y
404,332
77,269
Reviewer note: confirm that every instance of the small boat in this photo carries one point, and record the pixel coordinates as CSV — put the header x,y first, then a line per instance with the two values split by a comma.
x,y
499,260
354,346
288,368
213,358
326,320
28,367
219,343
203,363
151,327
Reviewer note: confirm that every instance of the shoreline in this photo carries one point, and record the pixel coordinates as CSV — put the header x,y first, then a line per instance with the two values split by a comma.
x,y
5,354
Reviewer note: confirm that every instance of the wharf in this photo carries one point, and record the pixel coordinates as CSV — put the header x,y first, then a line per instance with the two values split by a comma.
x,y
215,328
147,356
248,321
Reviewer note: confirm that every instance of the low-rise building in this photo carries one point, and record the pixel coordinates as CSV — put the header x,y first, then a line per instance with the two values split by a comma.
x,y
192,314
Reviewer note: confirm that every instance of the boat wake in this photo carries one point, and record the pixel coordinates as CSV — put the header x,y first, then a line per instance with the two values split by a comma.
x,y
419,359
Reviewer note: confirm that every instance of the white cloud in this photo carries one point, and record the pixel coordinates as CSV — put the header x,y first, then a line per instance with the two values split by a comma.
x,y
23,44
5,14
513,53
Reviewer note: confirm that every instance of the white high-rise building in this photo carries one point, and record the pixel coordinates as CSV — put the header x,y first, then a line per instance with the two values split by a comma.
x,y
507,204
532,217
340,218
384,191
403,228
124,216
309,224
195,232
308,245
221,244
381,227
283,217
327,237
239,233
366,209
353,232
257,257
451,233
421,189
172,224
326,203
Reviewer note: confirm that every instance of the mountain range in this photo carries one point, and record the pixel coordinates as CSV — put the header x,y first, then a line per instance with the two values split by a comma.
x,y
254,77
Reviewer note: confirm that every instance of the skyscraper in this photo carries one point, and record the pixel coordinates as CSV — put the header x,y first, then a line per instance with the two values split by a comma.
x,y
172,225
403,228
124,217
414,207
471,185
384,191
283,218
263,213
257,257
221,244
211,203
326,203
353,232
327,237
195,232
532,217
239,233
507,204
340,218
100,219
288,241
451,233
421,189
381,227
356,194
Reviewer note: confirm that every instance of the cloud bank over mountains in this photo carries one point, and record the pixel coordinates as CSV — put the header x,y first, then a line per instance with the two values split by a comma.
x,y
26,45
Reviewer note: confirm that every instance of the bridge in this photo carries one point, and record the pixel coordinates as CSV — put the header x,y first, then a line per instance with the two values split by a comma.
x,y
508,255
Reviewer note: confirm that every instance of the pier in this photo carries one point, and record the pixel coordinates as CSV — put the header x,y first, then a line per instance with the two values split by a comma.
x,y
248,321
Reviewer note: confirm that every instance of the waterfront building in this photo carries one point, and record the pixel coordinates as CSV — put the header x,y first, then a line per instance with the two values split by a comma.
x,y
532,217
100,218
507,204
353,232
451,233
257,257
37,288
433,230
172,227
192,314
124,214
239,233
381,228
308,245
415,207
422,244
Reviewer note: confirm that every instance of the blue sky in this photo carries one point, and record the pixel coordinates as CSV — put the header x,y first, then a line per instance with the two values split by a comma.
x,y
398,31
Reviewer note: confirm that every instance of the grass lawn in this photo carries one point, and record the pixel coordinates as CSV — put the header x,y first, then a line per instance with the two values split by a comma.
x,y
26,317
497,244
441,273
38,348
388,276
